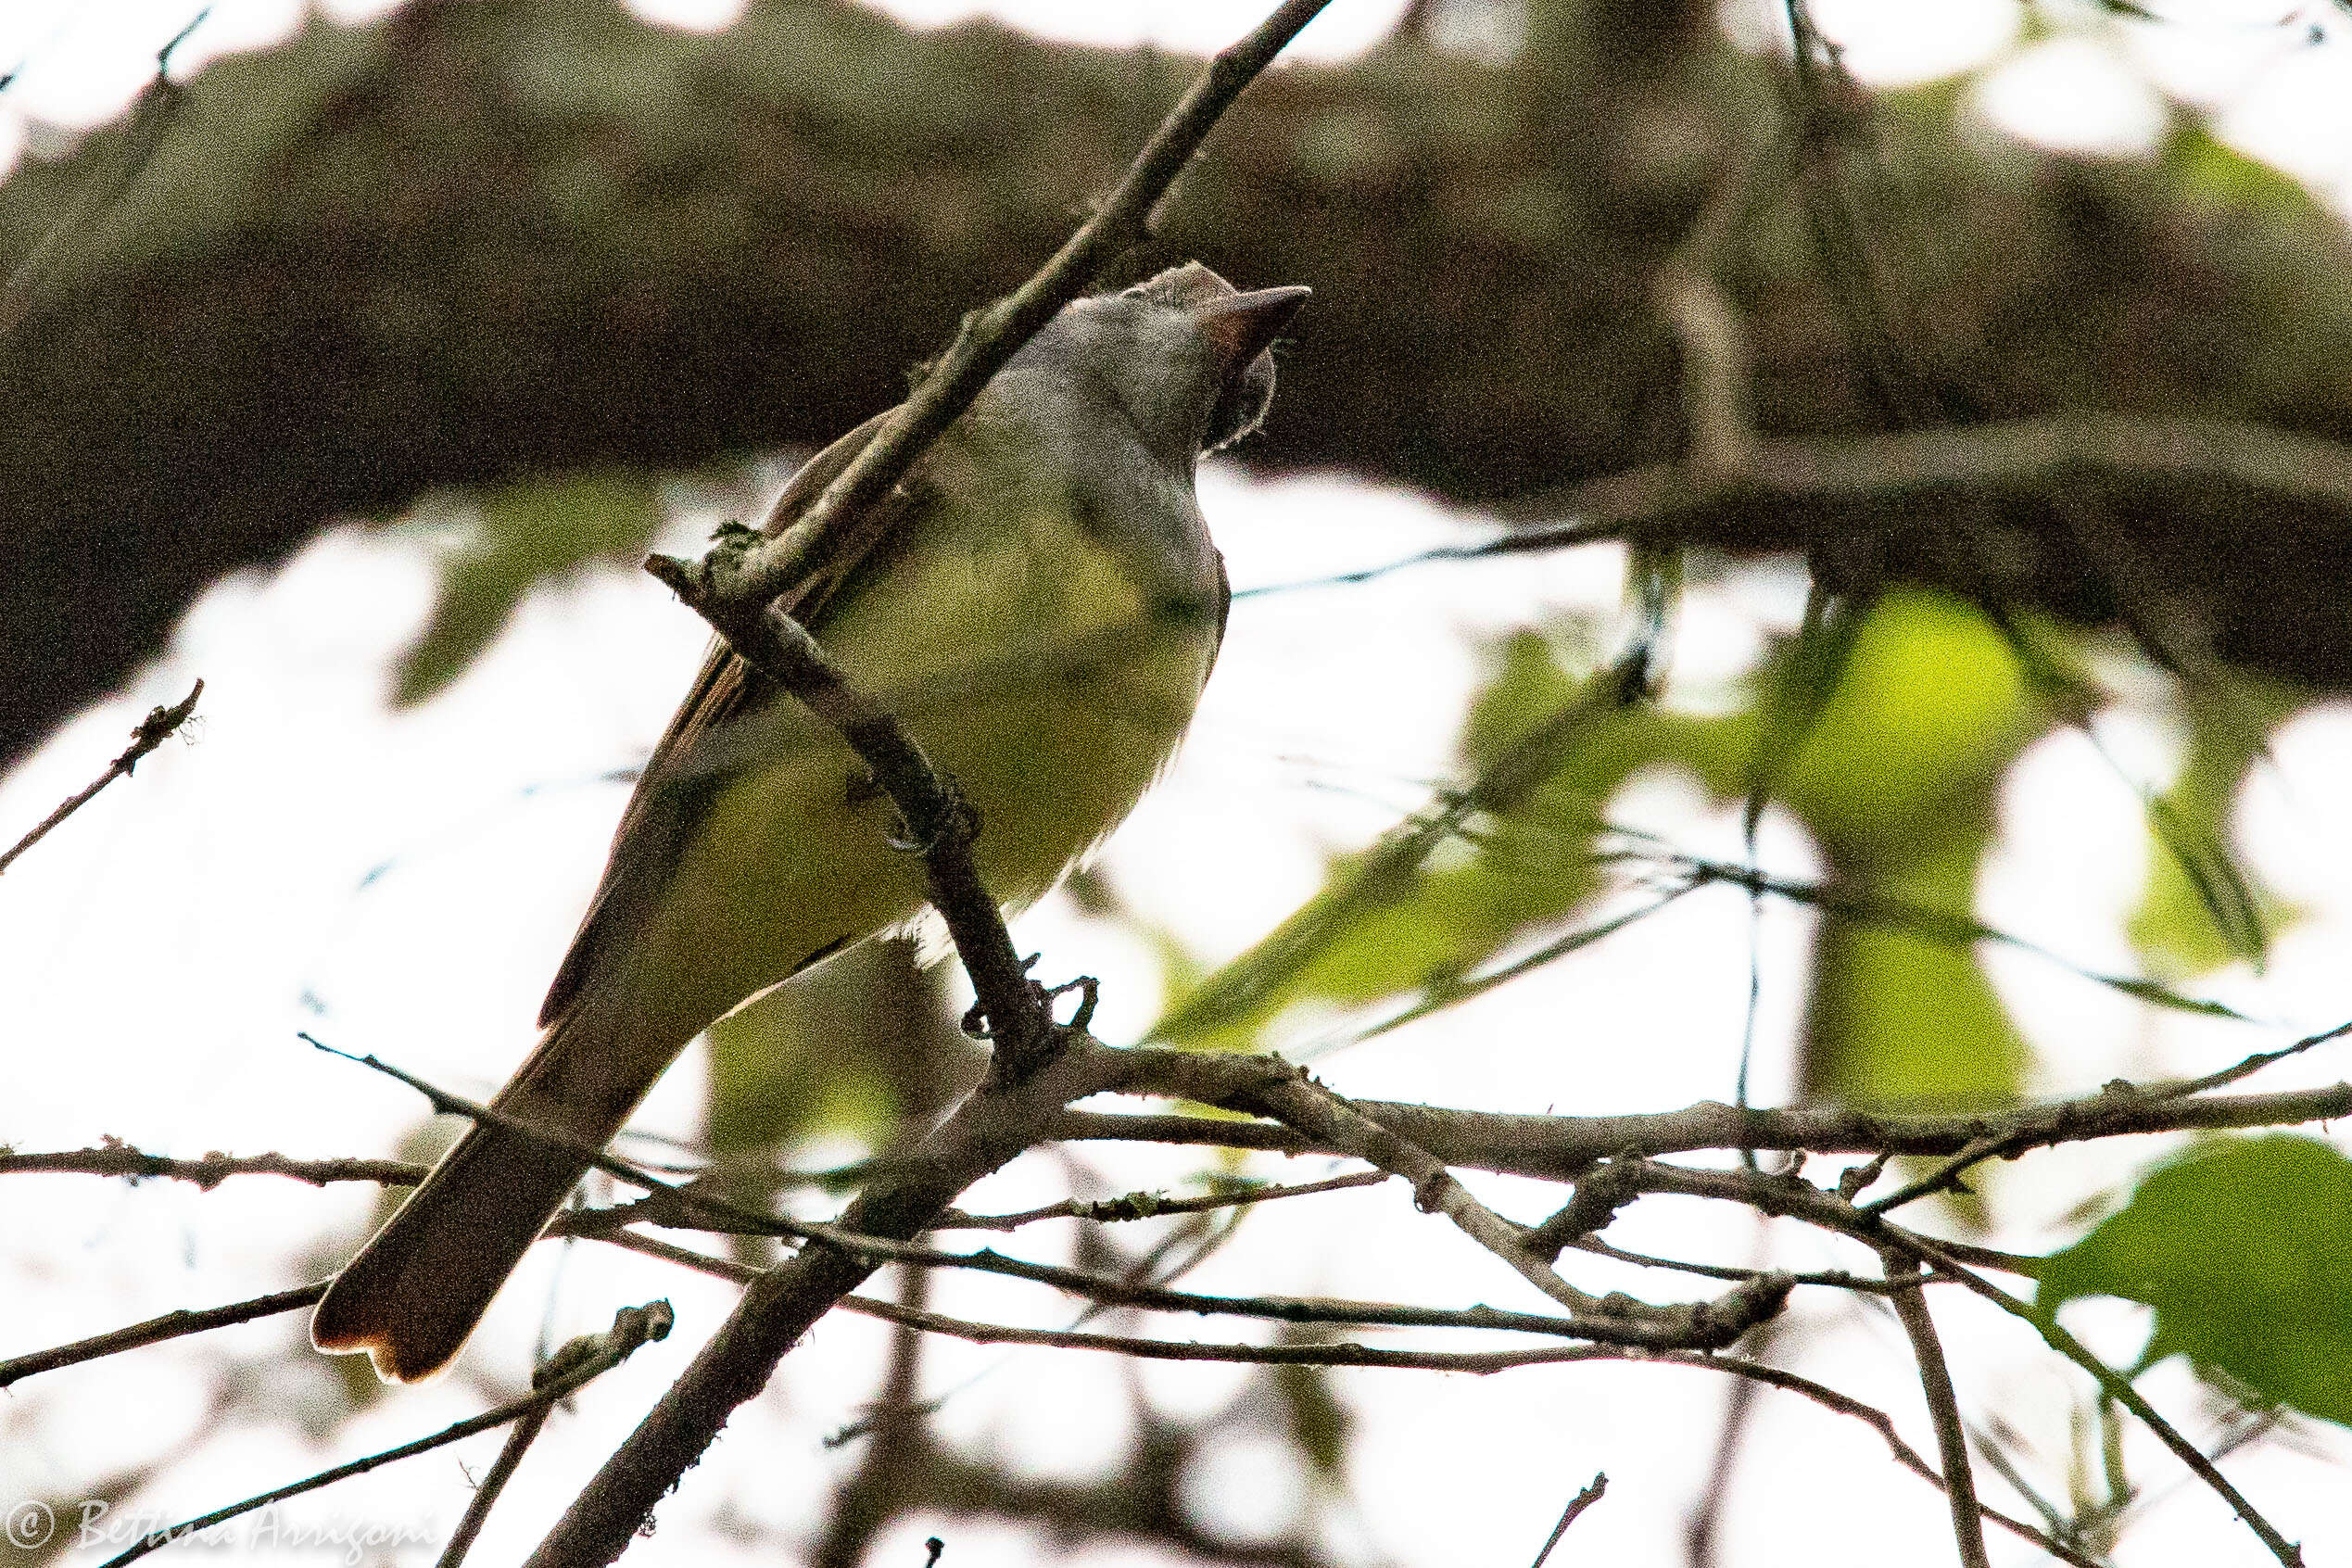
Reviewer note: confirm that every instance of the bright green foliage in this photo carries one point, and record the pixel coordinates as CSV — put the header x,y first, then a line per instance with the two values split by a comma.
x,y
2239,1247
1898,723
2193,918
1885,729
526,533
1896,780
1447,890
1929,711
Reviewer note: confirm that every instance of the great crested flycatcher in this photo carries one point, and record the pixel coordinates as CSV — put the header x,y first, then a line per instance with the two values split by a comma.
x,y
1041,609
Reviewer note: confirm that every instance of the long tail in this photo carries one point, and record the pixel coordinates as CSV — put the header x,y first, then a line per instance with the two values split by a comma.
x,y
413,1295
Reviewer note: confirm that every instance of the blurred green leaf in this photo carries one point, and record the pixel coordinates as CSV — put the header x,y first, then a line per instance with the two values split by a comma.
x,y
1927,713
2198,911
2210,167
1897,779
1319,1423
1451,886
2239,1244
1796,690
523,534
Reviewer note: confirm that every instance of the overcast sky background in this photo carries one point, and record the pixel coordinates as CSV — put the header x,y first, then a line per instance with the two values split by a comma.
x,y
404,884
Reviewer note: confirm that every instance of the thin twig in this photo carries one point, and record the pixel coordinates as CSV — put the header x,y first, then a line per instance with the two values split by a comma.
x,y
2118,1387
671,1202
992,337
1151,1206
1835,1279
2249,1066
1943,1406
1793,1197
1577,1505
209,1170
1477,1362
485,1492
585,1359
159,726
171,1326
1110,1291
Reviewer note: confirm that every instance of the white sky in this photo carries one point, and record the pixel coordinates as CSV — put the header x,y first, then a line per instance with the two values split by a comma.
x,y
403,884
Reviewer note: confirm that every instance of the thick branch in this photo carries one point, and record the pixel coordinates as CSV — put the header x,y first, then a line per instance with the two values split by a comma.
x,y
483,282
994,1125
1560,1147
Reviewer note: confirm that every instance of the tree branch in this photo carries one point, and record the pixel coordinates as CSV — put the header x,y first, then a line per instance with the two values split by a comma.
x,y
160,725
577,1365
1943,1407
121,1159
171,1325
1561,1147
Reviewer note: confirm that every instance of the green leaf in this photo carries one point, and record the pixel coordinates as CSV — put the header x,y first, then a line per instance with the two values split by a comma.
x,y
1927,713
1319,1423
2239,1244
1507,854
1898,1018
523,534
2199,910
1896,780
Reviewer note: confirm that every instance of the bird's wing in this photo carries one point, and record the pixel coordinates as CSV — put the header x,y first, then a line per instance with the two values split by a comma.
x,y
677,785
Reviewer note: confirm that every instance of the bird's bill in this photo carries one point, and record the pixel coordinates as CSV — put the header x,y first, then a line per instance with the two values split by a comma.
x,y
1243,325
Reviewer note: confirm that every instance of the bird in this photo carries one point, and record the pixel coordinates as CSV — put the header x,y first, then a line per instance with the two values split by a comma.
x,y
1039,606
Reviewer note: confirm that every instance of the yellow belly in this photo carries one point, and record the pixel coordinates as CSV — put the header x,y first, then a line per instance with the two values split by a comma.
x,y
1034,672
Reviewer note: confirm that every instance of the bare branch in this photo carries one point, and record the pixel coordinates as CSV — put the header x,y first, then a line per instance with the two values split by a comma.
x,y
1577,1505
1560,1147
210,1171
171,1326
1151,1206
576,1366
159,726
997,1123
1110,1291
1943,1407
1271,1087
937,820
486,1492
2025,456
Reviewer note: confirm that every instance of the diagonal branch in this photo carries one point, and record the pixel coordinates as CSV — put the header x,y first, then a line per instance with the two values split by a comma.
x,y
997,1123
1008,1113
573,1369
1271,1087
992,337
1943,1407
159,726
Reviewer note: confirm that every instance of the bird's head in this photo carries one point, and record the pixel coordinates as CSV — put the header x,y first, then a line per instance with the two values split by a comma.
x,y
1185,357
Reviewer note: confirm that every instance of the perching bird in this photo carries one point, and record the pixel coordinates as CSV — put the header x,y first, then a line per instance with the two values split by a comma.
x,y
1041,609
